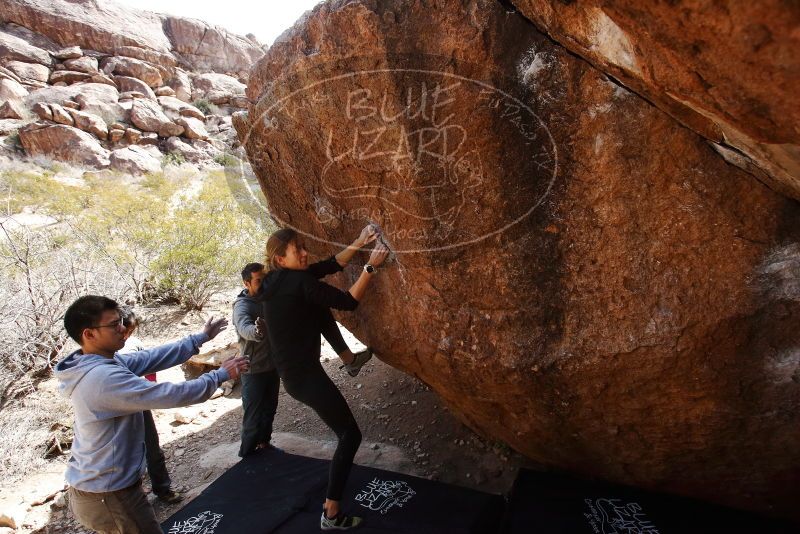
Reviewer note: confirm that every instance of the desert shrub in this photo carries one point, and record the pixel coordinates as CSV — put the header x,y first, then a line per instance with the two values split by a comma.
x,y
204,246
13,140
173,158
43,273
206,107
225,159
134,242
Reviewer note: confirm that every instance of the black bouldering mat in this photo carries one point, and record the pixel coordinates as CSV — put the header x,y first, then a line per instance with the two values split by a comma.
x,y
547,503
278,492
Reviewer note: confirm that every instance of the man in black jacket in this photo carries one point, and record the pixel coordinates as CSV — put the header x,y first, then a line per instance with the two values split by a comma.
x,y
261,384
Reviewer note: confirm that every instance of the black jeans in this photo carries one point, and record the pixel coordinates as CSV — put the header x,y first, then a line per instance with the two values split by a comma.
x,y
156,466
314,388
259,404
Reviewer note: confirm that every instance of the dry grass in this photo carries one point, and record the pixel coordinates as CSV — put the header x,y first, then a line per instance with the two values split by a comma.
x,y
25,426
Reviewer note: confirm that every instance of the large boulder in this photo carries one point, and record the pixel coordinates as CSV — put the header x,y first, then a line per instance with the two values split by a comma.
x,y
101,26
29,72
175,108
63,143
210,47
182,85
61,115
70,52
148,117
135,68
82,64
68,77
218,88
134,160
728,71
151,56
192,128
13,48
95,98
96,92
128,84
11,90
88,122
113,28
29,36
576,273
12,109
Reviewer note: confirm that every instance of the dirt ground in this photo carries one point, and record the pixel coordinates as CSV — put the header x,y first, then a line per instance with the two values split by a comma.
x,y
405,428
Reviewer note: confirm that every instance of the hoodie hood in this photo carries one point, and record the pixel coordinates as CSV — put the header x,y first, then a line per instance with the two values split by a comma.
x,y
245,295
71,370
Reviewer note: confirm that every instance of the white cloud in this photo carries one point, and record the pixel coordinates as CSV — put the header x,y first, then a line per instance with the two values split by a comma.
x,y
266,20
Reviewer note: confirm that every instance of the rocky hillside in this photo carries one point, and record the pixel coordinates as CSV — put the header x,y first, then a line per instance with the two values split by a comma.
x,y
103,86
577,273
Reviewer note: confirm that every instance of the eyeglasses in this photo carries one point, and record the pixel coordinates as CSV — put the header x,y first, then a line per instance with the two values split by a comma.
x,y
113,324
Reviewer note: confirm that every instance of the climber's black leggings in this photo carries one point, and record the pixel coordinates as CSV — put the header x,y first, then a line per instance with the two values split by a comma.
x,y
330,331
313,387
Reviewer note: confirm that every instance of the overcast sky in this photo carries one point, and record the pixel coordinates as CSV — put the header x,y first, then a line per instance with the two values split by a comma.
x,y
266,20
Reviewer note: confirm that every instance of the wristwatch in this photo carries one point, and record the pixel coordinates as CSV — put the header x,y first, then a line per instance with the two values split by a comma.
x,y
370,269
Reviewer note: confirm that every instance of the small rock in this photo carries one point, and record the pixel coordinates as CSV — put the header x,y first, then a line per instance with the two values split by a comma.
x,y
43,111
179,453
82,64
115,135
61,116
132,135
60,501
358,386
183,418
374,447
413,403
12,110
72,52
148,138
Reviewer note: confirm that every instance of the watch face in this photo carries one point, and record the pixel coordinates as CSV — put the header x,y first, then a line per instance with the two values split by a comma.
x,y
369,268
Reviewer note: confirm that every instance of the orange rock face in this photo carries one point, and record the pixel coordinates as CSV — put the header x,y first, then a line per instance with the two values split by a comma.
x,y
730,70
576,273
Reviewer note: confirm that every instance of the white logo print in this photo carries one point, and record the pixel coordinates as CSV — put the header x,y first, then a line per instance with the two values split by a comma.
x,y
202,523
614,516
381,495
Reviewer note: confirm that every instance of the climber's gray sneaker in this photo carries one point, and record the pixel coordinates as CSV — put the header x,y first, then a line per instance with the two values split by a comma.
x,y
340,522
359,359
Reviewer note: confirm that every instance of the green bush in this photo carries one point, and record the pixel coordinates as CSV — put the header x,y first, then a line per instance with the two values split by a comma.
x,y
173,158
204,245
206,107
13,140
226,160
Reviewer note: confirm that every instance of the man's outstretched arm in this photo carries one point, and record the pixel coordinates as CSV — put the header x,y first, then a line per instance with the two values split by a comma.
x,y
165,356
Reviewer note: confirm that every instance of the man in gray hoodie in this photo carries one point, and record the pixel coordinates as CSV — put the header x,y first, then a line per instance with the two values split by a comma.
x,y
108,394
261,384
